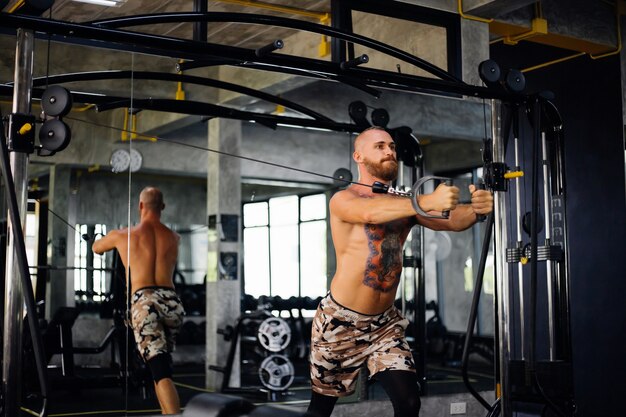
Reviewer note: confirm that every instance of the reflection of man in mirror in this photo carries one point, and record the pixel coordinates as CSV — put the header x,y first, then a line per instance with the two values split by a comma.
x,y
156,310
357,324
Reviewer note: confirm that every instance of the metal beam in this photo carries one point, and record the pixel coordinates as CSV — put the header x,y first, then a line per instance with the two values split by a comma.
x,y
189,79
181,48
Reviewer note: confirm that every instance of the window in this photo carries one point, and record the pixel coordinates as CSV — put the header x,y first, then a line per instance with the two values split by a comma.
x,y
284,243
91,283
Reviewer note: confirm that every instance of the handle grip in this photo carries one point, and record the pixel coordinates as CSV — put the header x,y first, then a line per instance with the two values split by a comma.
x,y
446,213
481,217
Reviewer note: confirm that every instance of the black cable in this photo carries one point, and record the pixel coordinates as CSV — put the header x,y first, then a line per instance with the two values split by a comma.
x,y
247,158
22,260
495,411
478,286
84,236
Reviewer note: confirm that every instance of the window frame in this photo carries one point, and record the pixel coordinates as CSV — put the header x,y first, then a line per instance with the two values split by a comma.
x,y
299,196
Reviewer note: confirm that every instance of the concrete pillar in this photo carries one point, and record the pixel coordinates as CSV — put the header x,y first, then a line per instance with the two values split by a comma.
x,y
474,49
224,248
60,288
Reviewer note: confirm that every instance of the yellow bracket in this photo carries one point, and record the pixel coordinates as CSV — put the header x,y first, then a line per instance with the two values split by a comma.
x,y
133,126
513,174
93,168
124,135
180,93
469,17
25,129
620,9
139,136
324,47
16,6
538,26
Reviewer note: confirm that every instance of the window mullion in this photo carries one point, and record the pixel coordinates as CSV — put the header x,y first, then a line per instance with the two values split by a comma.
x,y
299,252
269,246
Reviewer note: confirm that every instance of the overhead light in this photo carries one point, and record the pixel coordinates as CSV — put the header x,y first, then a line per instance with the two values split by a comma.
x,y
110,3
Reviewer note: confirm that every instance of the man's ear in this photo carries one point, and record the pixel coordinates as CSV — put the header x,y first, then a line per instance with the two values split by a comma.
x,y
163,206
356,155
141,205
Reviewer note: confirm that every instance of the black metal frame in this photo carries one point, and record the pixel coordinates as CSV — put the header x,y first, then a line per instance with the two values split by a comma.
x,y
420,14
105,34
164,76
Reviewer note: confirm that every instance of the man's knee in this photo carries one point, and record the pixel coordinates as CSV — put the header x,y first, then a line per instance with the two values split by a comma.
x,y
160,366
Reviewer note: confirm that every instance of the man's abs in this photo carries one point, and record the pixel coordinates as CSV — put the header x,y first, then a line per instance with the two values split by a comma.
x,y
360,298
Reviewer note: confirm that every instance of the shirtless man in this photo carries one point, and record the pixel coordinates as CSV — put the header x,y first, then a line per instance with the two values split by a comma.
x,y
156,310
357,324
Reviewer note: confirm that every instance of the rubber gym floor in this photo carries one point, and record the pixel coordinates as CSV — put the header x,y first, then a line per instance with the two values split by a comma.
x,y
85,396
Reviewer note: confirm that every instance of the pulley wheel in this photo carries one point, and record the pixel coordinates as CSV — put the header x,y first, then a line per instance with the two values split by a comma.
x,y
489,71
380,117
342,177
515,81
54,135
56,101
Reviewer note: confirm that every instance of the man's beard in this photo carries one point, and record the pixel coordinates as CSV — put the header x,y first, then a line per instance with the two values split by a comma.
x,y
386,172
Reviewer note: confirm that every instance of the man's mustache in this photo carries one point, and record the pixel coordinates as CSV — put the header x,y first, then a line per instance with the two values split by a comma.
x,y
389,159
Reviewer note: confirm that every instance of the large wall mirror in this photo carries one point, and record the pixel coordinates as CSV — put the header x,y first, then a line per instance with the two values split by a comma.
x,y
264,226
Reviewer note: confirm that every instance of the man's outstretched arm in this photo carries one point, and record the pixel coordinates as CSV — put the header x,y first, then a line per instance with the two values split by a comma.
x,y
106,243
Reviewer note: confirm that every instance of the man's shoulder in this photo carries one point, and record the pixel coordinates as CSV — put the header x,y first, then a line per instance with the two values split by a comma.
x,y
118,232
346,193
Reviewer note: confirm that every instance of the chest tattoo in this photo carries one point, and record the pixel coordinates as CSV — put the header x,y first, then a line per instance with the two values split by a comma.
x,y
384,261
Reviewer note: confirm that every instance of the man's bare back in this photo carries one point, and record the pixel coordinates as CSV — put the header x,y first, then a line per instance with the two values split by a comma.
x,y
153,251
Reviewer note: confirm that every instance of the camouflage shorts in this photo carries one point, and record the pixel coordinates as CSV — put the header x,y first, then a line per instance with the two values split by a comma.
x,y
157,315
343,340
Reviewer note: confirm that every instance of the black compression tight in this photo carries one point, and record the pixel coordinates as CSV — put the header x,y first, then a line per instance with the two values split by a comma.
x,y
402,388
321,405
403,391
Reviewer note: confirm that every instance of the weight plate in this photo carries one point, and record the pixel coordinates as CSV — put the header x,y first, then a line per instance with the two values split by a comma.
x,y
276,372
274,334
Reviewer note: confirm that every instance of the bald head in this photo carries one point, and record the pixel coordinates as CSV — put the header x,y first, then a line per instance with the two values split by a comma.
x,y
371,133
375,154
152,199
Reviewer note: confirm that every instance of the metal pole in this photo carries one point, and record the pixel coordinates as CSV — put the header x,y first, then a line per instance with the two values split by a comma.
x,y
503,284
403,279
550,264
14,293
518,213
